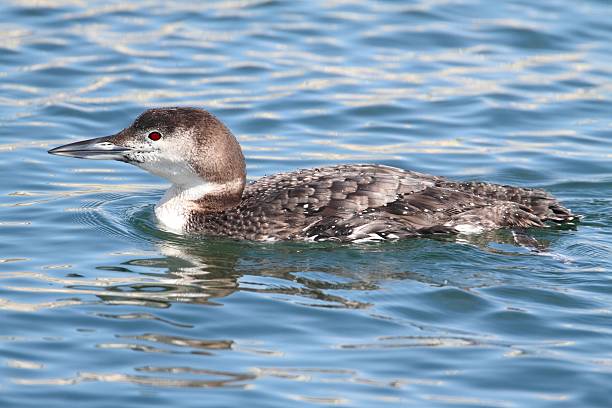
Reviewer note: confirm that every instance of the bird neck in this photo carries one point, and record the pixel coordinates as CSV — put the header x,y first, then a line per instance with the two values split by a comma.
x,y
181,202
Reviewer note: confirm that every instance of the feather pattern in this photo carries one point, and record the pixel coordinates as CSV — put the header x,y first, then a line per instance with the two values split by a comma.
x,y
373,202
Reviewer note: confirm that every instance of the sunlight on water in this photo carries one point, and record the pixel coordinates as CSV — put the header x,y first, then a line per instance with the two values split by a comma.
x,y
100,306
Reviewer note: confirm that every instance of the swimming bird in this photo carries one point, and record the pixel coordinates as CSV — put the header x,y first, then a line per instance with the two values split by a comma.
x,y
209,195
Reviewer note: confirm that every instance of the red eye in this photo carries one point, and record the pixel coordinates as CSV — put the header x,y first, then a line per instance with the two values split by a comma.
x,y
154,136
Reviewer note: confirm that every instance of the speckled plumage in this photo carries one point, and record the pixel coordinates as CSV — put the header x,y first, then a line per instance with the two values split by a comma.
x,y
369,202
204,162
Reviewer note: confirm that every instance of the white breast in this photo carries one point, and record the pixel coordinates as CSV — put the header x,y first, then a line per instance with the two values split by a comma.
x,y
173,210
179,202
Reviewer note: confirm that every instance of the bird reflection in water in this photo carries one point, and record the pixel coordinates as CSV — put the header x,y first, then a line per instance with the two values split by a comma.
x,y
213,269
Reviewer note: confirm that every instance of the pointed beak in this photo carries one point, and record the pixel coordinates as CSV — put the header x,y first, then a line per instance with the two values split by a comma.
x,y
101,148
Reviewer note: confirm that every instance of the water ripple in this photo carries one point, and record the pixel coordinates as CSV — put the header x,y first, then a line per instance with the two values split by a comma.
x,y
99,304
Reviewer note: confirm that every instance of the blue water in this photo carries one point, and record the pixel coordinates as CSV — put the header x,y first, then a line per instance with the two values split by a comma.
x,y
100,308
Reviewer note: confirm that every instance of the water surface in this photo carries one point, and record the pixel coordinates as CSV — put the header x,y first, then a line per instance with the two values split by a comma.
x,y
100,307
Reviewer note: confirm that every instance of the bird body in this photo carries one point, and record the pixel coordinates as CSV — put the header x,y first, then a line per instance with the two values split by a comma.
x,y
373,202
200,156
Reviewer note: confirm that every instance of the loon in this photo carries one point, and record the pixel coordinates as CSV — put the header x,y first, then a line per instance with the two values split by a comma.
x,y
209,195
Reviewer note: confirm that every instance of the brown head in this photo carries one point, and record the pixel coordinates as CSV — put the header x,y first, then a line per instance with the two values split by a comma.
x,y
187,146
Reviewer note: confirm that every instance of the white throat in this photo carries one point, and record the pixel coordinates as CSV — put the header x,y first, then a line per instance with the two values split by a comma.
x,y
179,202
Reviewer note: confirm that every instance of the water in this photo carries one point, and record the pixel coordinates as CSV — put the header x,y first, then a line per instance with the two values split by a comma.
x,y
99,307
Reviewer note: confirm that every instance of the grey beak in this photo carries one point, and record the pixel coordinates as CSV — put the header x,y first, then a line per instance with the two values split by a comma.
x,y
101,148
